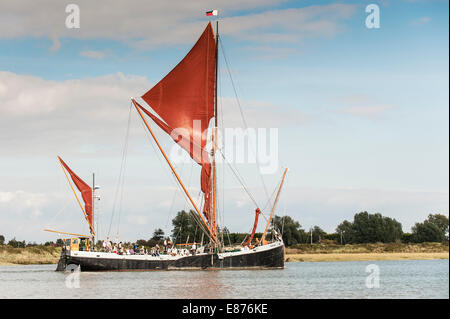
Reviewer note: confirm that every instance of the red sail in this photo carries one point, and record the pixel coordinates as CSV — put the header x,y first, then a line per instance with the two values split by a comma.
x,y
86,194
184,100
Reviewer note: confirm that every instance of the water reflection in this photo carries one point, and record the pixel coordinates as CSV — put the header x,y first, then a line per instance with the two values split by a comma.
x,y
398,279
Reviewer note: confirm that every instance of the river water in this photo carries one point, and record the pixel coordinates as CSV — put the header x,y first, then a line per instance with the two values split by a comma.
x,y
306,280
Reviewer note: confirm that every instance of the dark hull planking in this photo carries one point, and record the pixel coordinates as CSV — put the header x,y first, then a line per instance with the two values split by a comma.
x,y
266,259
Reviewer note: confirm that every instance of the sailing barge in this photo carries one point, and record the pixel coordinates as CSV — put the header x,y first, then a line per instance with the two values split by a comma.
x,y
184,105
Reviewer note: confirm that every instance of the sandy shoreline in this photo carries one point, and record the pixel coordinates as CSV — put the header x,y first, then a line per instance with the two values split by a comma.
x,y
364,256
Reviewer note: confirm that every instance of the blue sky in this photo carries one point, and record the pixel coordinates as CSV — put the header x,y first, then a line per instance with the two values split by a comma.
x,y
362,114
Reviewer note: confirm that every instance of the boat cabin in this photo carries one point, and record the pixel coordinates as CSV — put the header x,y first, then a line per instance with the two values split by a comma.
x,y
78,243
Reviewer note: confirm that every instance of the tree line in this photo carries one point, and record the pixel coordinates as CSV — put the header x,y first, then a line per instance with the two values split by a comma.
x,y
21,244
365,228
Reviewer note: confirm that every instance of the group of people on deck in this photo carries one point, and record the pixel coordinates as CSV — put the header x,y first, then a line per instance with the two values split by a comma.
x,y
133,249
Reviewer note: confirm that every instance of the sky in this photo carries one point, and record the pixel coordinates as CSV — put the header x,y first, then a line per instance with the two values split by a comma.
x,y
361,113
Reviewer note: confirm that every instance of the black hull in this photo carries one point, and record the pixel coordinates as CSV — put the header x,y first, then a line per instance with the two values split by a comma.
x,y
266,259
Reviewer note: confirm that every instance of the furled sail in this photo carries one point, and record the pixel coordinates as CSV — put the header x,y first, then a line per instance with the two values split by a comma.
x,y
184,103
86,194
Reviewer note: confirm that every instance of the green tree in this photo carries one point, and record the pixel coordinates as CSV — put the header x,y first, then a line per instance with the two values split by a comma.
x,y
158,235
407,238
16,244
345,231
441,221
146,243
2,240
427,232
318,234
184,227
291,230
370,228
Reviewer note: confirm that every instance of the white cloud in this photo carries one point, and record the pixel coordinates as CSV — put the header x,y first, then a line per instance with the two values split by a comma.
x,y
152,25
24,203
89,115
93,54
361,105
369,111
260,114
421,21
41,116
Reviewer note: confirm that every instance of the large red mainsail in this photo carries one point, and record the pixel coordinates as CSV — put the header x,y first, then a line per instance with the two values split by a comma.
x,y
184,102
86,194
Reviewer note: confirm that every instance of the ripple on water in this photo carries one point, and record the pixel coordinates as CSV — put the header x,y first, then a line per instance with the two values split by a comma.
x,y
398,279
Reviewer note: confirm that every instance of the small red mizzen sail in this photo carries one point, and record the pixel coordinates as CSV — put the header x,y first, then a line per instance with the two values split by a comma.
x,y
184,100
86,194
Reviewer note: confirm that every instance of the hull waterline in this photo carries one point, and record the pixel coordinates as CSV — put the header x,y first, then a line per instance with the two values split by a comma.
x,y
270,257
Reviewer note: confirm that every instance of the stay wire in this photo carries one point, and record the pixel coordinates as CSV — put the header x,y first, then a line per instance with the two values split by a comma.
x,y
122,164
242,113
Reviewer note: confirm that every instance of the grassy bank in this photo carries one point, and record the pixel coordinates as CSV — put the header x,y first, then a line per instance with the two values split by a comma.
x,y
29,255
362,252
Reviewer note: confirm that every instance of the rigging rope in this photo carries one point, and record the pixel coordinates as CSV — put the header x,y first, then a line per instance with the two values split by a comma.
x,y
121,173
242,115
239,178
187,202
57,214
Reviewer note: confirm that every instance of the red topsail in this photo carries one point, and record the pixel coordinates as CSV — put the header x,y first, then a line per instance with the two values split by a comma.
x,y
86,194
184,100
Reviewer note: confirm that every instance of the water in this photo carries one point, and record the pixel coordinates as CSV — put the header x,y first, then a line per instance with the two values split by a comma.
x,y
397,279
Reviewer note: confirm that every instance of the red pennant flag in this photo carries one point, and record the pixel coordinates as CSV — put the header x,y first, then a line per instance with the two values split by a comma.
x,y
212,13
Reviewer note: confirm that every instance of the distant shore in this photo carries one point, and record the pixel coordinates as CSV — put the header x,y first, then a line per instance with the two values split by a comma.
x,y
364,257
366,252
300,253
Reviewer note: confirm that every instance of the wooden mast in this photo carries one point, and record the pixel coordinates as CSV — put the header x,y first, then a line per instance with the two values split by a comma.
x,y
93,207
215,133
273,207
174,172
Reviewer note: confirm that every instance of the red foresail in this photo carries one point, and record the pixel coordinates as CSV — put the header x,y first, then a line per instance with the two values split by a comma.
x,y
184,102
86,194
